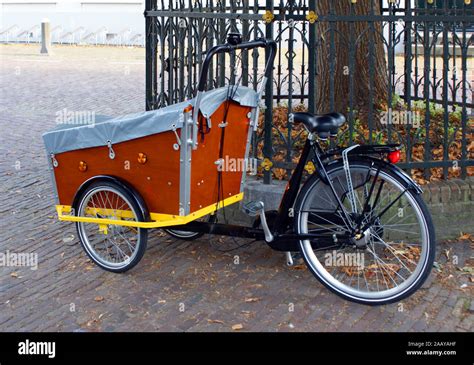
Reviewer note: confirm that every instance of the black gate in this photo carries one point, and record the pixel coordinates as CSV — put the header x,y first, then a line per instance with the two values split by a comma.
x,y
428,49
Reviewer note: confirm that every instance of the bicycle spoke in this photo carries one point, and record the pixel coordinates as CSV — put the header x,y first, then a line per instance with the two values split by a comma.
x,y
327,220
399,230
392,250
379,260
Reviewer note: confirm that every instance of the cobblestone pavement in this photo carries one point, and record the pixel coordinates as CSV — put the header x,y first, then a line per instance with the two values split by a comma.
x,y
178,286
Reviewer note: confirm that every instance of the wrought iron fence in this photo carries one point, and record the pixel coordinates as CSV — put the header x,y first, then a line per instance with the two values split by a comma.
x,y
427,69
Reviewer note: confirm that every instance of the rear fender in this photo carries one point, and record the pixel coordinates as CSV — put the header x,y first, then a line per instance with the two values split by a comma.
x,y
126,186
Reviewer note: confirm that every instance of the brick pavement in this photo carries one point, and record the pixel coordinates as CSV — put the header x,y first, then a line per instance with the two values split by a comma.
x,y
178,286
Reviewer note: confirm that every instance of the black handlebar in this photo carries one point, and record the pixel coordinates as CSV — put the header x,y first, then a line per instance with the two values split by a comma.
x,y
257,43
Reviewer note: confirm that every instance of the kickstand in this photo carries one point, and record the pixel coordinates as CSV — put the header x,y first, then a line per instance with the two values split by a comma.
x,y
292,257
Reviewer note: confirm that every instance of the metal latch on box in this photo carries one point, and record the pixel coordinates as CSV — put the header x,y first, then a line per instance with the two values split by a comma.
x,y
111,150
178,144
54,161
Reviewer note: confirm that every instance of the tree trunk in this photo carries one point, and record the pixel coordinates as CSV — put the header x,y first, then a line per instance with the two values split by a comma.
x,y
363,39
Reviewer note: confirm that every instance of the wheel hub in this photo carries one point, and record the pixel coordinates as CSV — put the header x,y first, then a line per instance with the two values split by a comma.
x,y
362,239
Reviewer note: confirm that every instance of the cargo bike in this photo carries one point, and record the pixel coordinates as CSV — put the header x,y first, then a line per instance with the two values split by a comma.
x,y
358,221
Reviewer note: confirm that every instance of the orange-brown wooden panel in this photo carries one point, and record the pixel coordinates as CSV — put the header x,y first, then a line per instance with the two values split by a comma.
x,y
157,181
204,171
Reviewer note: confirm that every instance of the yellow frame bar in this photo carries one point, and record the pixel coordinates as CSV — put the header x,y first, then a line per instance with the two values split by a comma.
x,y
157,219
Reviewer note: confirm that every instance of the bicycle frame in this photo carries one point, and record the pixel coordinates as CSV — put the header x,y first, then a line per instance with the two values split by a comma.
x,y
283,217
287,241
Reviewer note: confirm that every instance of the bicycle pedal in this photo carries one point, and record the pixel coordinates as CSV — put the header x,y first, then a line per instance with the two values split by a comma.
x,y
253,208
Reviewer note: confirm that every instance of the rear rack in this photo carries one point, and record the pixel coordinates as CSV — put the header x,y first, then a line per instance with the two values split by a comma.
x,y
365,149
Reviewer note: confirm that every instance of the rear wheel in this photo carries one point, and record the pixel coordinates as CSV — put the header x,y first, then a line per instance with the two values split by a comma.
x,y
114,248
389,258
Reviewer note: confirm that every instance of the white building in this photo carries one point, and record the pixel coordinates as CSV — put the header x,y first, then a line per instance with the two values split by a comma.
x,y
118,22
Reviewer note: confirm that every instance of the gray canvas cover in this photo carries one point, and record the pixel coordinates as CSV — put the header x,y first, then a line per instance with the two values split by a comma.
x,y
76,135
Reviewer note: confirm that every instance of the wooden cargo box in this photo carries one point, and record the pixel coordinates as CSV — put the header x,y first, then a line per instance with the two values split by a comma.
x,y
172,157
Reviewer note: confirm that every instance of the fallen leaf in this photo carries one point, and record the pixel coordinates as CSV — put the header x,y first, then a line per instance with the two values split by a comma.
x,y
465,237
447,253
215,321
237,327
14,275
251,300
99,298
68,238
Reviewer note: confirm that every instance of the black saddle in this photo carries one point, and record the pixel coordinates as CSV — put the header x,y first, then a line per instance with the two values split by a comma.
x,y
325,125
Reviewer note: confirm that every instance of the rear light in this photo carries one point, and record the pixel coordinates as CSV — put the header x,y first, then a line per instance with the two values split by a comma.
x,y
394,156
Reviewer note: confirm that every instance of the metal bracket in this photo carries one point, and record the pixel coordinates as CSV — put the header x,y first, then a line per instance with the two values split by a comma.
x,y
186,145
347,170
261,105
195,125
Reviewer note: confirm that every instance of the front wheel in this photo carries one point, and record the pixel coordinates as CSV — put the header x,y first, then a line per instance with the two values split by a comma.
x,y
391,253
112,247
